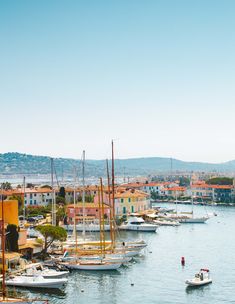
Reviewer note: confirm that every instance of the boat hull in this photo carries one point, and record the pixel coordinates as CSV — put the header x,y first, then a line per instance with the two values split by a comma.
x,y
198,282
31,283
95,266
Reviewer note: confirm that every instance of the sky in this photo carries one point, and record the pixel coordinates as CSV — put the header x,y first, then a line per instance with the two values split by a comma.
x,y
157,76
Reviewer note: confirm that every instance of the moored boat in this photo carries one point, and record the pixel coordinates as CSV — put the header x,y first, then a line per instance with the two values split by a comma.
x,y
36,282
138,224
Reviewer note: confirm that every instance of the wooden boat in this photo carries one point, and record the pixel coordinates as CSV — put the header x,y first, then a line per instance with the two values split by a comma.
x,y
93,265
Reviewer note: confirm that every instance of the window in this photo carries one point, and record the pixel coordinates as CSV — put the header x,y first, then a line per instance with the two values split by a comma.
x,y
129,200
132,209
124,210
35,194
31,195
122,200
35,202
31,202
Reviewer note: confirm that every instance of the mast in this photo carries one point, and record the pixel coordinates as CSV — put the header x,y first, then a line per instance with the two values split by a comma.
x,y
113,198
110,207
99,208
102,215
53,208
74,206
24,210
3,251
83,195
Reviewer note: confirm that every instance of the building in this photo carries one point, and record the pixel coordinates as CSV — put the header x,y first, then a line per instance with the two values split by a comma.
x,y
91,212
130,201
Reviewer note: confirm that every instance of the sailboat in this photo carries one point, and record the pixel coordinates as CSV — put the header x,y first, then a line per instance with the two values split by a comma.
x,y
4,298
188,217
97,260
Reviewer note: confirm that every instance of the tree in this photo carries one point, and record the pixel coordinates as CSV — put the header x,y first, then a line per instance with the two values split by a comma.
x,y
220,181
62,192
60,214
51,234
60,200
184,181
46,186
6,186
12,237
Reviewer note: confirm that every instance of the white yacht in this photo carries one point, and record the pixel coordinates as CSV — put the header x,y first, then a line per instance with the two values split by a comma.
x,y
138,224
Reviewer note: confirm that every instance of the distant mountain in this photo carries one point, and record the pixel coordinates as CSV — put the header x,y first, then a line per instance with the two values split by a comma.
x,y
17,163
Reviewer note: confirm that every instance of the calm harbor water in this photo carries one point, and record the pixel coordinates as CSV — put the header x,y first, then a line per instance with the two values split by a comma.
x,y
157,275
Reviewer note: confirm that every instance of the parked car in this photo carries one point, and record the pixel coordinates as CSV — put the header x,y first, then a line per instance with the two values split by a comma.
x,y
32,219
40,217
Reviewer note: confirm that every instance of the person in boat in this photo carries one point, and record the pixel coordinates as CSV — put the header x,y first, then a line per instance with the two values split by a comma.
x,y
201,276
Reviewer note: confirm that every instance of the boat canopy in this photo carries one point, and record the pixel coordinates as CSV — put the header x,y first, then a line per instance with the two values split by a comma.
x,y
206,270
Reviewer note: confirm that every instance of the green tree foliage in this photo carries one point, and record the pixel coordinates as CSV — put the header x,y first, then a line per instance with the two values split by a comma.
x,y
12,237
60,214
60,200
51,234
88,198
184,181
38,210
154,195
6,186
62,192
46,187
220,181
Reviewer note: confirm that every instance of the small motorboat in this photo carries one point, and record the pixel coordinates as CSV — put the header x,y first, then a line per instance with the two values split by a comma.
x,y
36,282
38,269
201,278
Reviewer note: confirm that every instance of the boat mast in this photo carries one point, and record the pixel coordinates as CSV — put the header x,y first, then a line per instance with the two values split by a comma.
x,y
83,195
74,205
113,196
24,210
102,215
3,251
110,208
53,208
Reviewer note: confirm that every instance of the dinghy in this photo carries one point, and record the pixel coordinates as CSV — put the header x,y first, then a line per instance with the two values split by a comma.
x,y
201,278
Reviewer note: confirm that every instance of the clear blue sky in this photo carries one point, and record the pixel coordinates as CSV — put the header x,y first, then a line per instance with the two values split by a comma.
x,y
157,76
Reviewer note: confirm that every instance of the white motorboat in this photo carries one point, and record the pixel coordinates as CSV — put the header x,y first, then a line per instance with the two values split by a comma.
x,y
138,224
37,269
201,278
36,282
93,265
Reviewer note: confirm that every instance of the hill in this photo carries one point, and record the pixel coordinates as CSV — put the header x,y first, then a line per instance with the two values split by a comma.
x,y
17,163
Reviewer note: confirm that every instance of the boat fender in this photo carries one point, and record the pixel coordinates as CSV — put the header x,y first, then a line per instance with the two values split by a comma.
x,y
132,284
182,261
82,290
